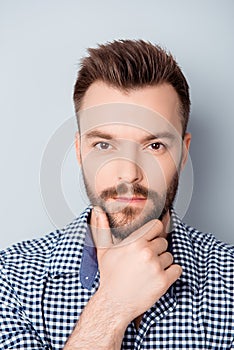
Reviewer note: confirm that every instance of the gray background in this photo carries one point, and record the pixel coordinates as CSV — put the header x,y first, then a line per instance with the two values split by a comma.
x,y
41,43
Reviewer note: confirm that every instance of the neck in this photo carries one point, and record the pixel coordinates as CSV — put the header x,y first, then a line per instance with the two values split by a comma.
x,y
166,220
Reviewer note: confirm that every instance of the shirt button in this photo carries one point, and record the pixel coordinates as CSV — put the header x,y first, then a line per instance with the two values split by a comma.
x,y
87,277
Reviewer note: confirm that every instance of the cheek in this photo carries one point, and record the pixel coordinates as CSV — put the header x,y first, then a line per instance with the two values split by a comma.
x,y
104,177
99,174
160,172
155,176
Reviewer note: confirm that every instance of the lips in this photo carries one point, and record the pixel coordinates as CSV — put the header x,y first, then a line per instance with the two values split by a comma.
x,y
129,199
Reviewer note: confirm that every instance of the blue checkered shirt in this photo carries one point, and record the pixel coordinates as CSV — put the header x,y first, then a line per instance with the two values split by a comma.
x,y
46,283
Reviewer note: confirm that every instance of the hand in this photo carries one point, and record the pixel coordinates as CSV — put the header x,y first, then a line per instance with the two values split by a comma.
x,y
135,273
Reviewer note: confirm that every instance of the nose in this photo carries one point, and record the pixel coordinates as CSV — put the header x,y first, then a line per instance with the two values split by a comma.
x,y
128,171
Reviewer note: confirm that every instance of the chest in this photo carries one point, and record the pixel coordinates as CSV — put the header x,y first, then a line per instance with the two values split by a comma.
x,y
186,322
181,321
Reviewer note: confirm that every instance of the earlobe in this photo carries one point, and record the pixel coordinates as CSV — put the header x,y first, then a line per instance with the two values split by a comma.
x,y
77,145
186,145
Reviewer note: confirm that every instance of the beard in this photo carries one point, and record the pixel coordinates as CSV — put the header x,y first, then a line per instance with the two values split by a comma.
x,y
125,220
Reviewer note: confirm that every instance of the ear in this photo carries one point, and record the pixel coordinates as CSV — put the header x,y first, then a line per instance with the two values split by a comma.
x,y
186,145
77,145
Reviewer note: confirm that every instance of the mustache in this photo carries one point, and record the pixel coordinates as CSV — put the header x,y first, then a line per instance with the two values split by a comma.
x,y
123,188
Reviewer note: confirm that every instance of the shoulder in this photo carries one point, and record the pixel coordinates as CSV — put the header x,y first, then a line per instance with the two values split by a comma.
x,y
206,244
215,263
31,260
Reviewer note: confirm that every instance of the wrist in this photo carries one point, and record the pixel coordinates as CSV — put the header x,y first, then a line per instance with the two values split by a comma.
x,y
101,326
115,313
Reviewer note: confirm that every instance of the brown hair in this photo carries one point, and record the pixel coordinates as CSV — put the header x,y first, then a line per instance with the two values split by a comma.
x,y
131,64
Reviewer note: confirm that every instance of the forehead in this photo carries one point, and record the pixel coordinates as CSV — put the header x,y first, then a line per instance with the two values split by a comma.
x,y
149,108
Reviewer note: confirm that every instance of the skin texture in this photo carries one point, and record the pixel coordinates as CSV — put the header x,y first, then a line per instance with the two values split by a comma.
x,y
135,267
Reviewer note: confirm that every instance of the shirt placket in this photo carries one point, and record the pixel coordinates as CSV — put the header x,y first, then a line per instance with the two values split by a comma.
x,y
161,309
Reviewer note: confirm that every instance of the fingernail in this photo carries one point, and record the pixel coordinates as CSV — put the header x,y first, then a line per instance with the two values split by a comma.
x,y
96,212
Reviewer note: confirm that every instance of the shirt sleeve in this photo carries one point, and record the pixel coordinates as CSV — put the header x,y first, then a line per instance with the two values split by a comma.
x,y
16,330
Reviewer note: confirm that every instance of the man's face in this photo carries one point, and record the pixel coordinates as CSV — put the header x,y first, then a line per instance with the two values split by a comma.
x,y
131,152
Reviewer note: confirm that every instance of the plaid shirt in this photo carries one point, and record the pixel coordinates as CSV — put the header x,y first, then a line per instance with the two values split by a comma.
x,y
46,283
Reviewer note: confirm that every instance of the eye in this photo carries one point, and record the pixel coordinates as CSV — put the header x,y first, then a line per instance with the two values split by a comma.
x,y
103,145
156,146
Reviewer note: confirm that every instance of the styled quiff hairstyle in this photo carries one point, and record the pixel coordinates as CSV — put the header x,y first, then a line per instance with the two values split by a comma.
x,y
132,64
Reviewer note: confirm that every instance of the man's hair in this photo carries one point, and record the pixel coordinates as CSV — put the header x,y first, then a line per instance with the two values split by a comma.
x,y
132,64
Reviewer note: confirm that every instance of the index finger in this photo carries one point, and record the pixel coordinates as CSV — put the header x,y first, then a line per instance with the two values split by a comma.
x,y
151,230
100,229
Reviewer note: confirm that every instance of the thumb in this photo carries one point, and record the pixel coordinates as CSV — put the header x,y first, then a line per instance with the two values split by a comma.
x,y
101,230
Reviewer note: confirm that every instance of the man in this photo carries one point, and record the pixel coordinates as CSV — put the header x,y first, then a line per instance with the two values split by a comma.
x,y
126,274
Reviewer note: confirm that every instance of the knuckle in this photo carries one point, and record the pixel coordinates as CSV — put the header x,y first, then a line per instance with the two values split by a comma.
x,y
178,271
157,269
157,266
147,254
165,282
166,260
164,242
164,279
162,282
159,225
136,246
169,256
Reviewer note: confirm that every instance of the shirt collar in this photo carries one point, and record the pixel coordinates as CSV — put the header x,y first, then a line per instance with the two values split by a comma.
x,y
183,251
75,252
68,249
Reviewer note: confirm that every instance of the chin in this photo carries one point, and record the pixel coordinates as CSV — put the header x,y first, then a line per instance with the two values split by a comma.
x,y
124,224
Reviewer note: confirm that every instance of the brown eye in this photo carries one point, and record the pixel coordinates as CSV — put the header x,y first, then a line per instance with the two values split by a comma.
x,y
103,145
156,146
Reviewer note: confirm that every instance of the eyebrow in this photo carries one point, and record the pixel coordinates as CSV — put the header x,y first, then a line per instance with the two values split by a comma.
x,y
108,136
99,134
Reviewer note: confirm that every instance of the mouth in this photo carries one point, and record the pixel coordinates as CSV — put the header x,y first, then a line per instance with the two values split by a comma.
x,y
130,200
